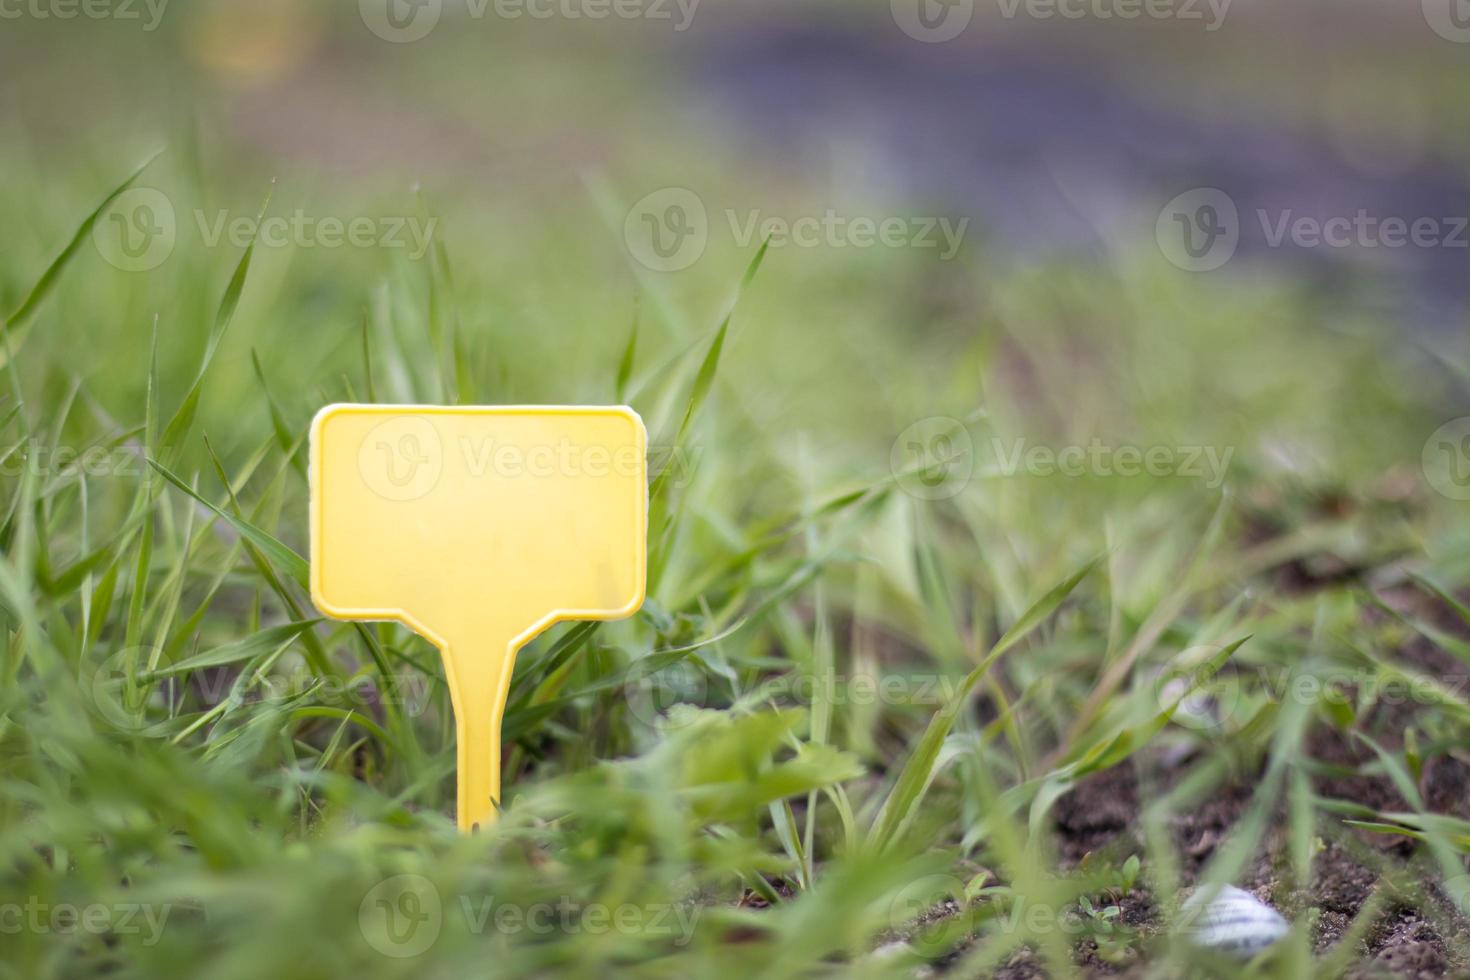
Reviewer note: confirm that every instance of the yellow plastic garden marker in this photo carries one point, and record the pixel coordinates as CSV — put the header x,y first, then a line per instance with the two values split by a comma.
x,y
478,528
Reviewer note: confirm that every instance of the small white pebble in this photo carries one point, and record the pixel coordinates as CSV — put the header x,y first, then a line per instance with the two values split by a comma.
x,y
889,950
1233,921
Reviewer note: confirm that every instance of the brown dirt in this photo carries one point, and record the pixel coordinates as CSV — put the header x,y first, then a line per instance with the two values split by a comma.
x,y
1098,817
1408,947
1416,934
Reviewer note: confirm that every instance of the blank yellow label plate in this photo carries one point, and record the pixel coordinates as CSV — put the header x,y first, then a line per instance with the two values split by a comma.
x,y
478,528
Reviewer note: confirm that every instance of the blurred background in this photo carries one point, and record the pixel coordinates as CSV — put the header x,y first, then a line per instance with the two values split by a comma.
x,y
1184,175
1230,231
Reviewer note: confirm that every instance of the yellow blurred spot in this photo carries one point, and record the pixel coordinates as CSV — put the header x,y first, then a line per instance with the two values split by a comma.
x,y
248,44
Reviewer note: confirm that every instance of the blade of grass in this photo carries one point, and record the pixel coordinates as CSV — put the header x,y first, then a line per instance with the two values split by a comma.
x,y
279,555
183,419
245,648
17,325
914,779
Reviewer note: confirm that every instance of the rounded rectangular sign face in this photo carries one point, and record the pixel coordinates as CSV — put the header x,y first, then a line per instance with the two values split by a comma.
x,y
478,527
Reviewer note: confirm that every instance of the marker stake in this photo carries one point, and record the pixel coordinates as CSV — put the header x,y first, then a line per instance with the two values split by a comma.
x,y
478,528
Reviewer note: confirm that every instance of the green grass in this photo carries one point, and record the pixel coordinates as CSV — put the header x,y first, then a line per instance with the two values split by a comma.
x,y
704,790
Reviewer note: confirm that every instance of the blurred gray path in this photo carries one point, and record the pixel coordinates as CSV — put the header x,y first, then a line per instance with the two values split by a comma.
x,y
1049,156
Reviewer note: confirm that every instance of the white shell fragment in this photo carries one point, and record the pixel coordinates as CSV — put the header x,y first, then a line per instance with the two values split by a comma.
x,y
1231,921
